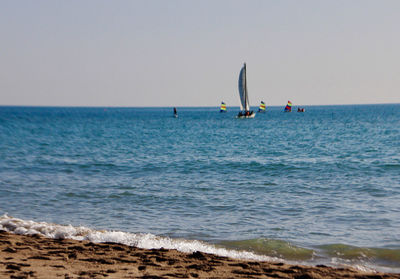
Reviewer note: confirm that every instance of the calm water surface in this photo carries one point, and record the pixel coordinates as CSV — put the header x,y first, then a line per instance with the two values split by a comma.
x,y
324,183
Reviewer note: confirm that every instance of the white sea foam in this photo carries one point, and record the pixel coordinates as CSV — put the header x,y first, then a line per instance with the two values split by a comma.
x,y
349,264
140,240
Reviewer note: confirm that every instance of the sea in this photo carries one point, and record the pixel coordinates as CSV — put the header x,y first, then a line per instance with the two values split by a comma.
x,y
318,187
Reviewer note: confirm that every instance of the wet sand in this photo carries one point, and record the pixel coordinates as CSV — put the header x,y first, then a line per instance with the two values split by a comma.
x,y
40,257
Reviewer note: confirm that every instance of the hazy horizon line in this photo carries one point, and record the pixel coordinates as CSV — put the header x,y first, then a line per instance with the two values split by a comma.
x,y
184,106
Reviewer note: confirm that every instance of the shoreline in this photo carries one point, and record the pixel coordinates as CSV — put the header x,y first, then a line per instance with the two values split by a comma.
x,y
36,256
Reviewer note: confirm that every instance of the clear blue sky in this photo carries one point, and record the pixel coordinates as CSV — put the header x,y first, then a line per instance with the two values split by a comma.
x,y
189,53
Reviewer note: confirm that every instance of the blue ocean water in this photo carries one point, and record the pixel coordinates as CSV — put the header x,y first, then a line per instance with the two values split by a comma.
x,y
318,186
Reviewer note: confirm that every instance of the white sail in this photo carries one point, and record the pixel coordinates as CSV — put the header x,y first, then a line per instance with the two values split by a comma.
x,y
244,99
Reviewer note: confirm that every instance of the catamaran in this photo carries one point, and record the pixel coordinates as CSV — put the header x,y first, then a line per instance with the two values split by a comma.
x,y
288,107
223,107
244,97
262,107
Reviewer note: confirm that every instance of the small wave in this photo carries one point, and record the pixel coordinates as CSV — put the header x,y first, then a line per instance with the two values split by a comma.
x,y
361,258
82,195
122,195
348,253
140,240
390,166
364,259
272,247
257,167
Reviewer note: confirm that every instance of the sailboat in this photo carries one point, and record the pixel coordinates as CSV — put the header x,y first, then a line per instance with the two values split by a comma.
x,y
175,113
223,107
262,107
288,107
244,97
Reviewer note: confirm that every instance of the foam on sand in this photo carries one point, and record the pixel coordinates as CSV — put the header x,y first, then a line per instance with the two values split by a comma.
x,y
140,240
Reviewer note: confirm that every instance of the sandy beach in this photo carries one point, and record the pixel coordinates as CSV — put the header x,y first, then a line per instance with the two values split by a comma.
x,y
39,257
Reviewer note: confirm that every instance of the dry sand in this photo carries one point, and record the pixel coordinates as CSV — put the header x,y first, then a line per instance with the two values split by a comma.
x,y
39,257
